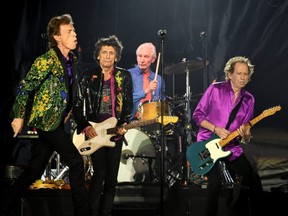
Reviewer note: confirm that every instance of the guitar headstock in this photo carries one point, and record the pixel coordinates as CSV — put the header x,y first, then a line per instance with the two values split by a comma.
x,y
271,110
168,119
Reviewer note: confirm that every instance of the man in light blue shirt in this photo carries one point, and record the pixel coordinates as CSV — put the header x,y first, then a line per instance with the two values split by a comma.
x,y
146,55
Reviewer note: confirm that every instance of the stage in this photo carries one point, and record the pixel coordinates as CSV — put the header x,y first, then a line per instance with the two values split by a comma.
x,y
143,200
267,151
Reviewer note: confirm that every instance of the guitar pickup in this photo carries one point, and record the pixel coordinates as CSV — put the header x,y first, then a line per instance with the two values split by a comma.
x,y
204,154
85,149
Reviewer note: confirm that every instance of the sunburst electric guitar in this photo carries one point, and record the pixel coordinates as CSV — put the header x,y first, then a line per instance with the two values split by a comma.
x,y
203,155
107,129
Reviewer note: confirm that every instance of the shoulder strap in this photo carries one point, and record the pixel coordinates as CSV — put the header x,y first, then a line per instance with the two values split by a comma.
x,y
233,113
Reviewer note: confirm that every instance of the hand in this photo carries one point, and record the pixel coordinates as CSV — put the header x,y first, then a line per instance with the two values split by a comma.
x,y
244,132
17,125
153,85
121,130
221,132
90,132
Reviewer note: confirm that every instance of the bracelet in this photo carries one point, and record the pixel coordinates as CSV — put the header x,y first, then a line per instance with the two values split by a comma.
x,y
244,141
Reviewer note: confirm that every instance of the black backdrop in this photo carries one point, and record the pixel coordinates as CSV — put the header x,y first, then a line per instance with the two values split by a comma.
x,y
253,28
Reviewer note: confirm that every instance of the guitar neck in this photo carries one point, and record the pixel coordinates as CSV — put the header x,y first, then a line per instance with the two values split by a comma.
x,y
165,120
131,125
234,134
140,123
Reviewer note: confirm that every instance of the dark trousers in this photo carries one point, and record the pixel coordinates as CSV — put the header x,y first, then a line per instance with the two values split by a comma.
x,y
249,188
42,150
104,180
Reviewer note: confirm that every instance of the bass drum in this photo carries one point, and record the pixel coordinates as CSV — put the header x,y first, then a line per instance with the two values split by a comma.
x,y
137,159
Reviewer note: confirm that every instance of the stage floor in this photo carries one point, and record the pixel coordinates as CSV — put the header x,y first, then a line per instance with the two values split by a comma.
x,y
143,200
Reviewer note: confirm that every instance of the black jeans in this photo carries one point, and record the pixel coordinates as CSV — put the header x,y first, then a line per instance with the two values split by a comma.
x,y
104,180
47,143
250,188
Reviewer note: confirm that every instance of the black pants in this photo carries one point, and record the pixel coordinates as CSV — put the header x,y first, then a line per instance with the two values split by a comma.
x,y
47,143
104,180
250,188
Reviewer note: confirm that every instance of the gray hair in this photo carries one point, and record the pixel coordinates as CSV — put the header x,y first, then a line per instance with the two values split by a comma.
x,y
149,45
230,66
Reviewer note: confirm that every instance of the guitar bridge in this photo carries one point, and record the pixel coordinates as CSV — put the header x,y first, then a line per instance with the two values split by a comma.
x,y
203,166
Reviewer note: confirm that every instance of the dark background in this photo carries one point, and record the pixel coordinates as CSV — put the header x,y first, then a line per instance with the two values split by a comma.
x,y
252,28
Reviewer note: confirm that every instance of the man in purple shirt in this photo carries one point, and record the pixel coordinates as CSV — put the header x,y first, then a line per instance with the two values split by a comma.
x,y
212,115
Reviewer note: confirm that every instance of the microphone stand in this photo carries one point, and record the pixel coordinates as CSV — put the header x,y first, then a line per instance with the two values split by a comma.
x,y
203,36
161,34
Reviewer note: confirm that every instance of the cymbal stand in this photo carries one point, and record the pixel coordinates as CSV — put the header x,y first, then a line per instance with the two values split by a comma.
x,y
203,36
187,127
188,108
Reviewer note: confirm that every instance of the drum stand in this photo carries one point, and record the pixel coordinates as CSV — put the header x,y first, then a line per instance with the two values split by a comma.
x,y
59,172
188,126
171,165
147,160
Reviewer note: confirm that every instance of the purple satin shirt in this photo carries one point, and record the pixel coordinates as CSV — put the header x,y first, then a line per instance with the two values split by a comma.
x,y
216,105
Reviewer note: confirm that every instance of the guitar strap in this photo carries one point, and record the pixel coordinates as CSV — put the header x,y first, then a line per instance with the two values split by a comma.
x,y
233,114
225,174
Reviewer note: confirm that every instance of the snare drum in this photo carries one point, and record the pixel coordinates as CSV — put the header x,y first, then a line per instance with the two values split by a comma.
x,y
137,159
150,110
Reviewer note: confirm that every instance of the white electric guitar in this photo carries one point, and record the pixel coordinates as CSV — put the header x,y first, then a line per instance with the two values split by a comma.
x,y
107,129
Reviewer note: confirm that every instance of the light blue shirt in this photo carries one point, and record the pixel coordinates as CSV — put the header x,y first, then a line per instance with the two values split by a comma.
x,y
138,92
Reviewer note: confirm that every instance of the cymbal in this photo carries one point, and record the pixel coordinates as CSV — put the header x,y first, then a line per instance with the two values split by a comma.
x,y
182,67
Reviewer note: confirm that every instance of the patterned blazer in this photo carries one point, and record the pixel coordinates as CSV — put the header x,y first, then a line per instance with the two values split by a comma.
x,y
47,82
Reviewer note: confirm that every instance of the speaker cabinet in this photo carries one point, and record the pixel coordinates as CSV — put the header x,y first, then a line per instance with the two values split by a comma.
x,y
47,202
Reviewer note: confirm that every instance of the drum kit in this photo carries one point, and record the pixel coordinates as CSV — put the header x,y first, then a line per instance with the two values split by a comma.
x,y
141,152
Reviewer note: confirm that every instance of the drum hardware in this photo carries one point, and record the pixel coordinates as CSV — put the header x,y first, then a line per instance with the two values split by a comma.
x,y
179,68
172,158
182,107
227,179
142,156
148,160
12,172
152,109
88,167
61,174
194,178
132,167
57,172
186,129
140,159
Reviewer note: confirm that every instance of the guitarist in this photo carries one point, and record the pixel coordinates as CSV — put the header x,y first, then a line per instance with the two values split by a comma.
x,y
104,91
211,115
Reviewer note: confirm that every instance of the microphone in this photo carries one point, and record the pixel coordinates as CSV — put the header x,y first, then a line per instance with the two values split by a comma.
x,y
203,34
162,32
126,156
